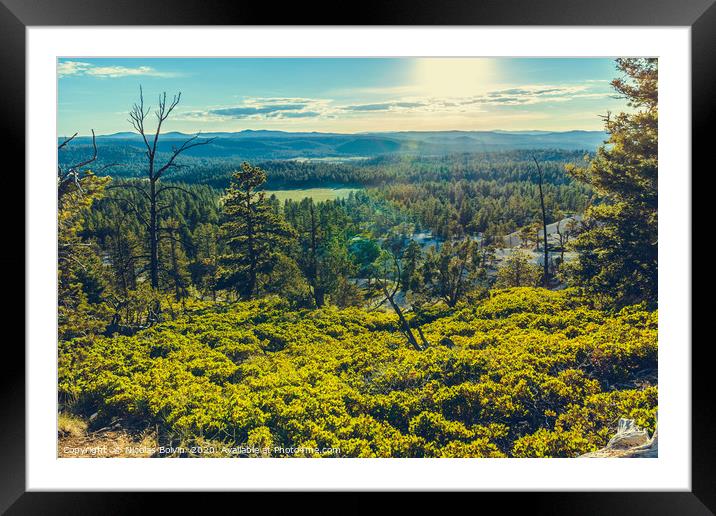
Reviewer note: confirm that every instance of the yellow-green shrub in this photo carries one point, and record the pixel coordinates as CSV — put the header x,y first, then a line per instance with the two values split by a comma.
x,y
532,373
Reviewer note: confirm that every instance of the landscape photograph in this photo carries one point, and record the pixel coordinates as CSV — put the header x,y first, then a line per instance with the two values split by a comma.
x,y
398,257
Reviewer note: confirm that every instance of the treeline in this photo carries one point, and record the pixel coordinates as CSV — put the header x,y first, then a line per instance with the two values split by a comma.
x,y
453,209
503,166
243,245
491,193
506,200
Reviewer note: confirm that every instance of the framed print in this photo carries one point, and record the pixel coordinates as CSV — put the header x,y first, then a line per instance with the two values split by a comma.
x,y
422,249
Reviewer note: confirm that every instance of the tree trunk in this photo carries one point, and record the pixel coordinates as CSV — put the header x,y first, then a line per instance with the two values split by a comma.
x,y
403,322
251,286
319,297
545,277
422,337
318,294
153,235
175,267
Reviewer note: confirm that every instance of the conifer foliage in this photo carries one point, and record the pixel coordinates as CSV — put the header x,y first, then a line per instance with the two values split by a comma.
x,y
618,254
254,233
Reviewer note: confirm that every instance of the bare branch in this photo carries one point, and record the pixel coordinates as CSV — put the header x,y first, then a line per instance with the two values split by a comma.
x,y
190,143
162,114
67,140
105,167
169,234
71,175
374,308
70,257
397,276
174,187
73,169
137,115
134,208
130,185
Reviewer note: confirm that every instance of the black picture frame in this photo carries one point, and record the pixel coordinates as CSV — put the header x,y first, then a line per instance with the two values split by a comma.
x,y
17,15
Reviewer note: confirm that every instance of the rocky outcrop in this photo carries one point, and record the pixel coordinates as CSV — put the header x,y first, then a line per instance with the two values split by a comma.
x,y
630,441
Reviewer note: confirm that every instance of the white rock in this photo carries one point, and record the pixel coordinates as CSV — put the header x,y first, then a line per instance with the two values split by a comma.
x,y
628,435
629,441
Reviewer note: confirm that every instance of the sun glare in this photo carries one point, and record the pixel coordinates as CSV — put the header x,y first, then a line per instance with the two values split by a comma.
x,y
455,76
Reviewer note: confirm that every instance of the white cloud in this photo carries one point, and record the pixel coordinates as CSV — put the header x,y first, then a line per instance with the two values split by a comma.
x,y
263,109
530,94
281,108
66,68
70,68
523,95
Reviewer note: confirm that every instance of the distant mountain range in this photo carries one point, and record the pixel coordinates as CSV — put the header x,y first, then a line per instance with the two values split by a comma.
x,y
266,144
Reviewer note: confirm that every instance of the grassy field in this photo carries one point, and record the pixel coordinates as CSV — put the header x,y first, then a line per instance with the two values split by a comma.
x,y
317,194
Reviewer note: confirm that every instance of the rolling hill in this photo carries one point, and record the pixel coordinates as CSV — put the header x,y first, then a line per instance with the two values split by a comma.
x,y
252,144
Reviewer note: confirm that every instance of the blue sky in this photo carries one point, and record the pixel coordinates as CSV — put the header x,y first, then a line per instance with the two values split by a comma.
x,y
340,94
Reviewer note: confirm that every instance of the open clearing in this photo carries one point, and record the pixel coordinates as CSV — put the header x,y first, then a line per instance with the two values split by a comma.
x,y
317,194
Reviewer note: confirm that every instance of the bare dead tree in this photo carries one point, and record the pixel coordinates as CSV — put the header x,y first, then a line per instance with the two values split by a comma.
x,y
74,179
152,192
72,175
389,287
545,276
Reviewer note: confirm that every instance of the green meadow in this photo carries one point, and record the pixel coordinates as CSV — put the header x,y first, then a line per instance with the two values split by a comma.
x,y
317,194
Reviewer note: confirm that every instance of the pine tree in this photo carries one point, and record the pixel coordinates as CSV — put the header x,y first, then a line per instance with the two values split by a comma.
x,y
254,233
618,254
410,277
517,270
81,276
322,252
174,263
204,267
121,245
454,270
